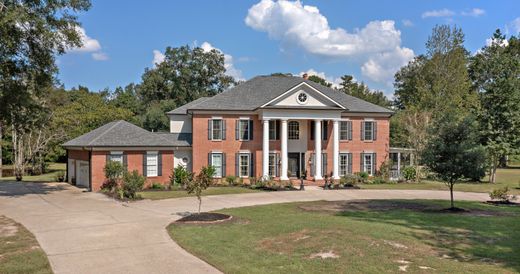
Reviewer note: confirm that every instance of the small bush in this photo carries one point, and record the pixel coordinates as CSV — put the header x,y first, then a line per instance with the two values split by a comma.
x,y
231,180
349,180
409,173
378,181
113,170
132,183
502,194
180,177
60,176
362,176
158,186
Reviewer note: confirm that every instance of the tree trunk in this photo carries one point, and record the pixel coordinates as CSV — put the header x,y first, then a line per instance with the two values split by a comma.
x,y
451,196
200,203
493,171
502,162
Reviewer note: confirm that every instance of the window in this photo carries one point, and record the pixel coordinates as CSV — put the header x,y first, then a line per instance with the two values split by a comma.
x,y
273,165
244,129
345,128
344,164
368,131
368,163
152,164
302,98
274,125
216,162
216,129
294,130
243,165
116,156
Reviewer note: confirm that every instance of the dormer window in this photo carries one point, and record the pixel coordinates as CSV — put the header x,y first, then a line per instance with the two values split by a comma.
x,y
302,98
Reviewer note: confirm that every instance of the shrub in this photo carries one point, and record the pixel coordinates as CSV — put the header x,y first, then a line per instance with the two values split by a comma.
x,y
384,170
180,176
502,194
113,172
156,185
378,180
349,180
231,180
132,183
60,176
362,176
409,173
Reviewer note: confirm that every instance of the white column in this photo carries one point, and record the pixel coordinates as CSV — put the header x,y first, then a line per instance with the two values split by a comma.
x,y
335,150
398,164
317,153
265,150
283,175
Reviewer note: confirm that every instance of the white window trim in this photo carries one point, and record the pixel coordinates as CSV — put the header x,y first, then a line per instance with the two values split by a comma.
x,y
151,154
372,122
240,137
371,155
118,154
221,128
240,155
339,164
340,122
275,130
213,153
289,130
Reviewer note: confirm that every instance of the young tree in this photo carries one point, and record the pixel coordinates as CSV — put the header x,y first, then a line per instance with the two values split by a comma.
x,y
495,71
201,182
453,149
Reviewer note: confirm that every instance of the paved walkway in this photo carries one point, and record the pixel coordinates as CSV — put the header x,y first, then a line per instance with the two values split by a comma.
x,y
85,232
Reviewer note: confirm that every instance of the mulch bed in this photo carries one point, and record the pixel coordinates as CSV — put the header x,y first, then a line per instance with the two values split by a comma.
x,y
385,205
499,203
204,218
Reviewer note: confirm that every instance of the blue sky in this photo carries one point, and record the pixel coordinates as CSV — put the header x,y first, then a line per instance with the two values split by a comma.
x,y
367,39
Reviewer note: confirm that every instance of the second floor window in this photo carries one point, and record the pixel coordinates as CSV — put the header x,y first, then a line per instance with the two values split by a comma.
x,y
244,130
294,130
274,130
345,130
216,129
368,131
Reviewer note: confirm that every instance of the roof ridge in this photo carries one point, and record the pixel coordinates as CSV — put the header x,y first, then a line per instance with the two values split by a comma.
x,y
105,132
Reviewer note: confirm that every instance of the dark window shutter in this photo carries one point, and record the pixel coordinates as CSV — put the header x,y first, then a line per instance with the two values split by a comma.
x,y
312,130
362,131
374,130
277,165
324,164
374,163
237,166
209,130
349,159
237,129
209,159
159,163
223,129
144,164
313,161
325,130
251,130
108,157
361,163
278,129
349,133
223,164
125,160
252,165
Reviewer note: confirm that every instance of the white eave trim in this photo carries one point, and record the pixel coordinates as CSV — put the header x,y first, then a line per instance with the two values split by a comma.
x,y
296,87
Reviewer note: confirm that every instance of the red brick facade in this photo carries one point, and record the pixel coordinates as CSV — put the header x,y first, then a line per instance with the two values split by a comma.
x,y
134,162
202,146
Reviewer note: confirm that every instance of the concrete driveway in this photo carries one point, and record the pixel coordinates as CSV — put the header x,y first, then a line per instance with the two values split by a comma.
x,y
84,232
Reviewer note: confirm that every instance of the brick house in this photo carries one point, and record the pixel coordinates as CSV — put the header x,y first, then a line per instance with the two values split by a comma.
x,y
279,126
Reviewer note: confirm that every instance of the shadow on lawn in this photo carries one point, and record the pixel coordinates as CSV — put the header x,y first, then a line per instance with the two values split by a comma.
x,y
489,239
16,189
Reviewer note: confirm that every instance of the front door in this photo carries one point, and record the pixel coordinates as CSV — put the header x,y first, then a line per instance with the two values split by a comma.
x,y
294,165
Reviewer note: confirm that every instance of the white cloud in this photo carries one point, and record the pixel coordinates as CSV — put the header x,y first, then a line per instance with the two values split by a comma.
x,y
335,81
490,41
304,26
438,13
515,25
407,23
100,56
158,57
89,45
228,62
378,66
475,12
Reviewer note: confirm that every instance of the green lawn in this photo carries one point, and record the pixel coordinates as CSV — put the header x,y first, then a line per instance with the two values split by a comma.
x,y
505,177
53,169
283,238
157,195
19,250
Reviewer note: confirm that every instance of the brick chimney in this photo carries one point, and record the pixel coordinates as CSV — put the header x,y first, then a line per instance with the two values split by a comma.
x,y
305,76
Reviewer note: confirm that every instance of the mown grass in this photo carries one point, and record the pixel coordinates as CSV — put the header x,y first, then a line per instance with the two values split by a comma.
x,y
168,194
509,177
50,176
282,238
19,250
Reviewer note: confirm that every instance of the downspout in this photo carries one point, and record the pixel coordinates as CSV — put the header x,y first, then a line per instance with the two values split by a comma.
x,y
90,170
67,167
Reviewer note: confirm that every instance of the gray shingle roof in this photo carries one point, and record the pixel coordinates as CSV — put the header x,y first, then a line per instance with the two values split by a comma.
x,y
124,134
258,91
183,109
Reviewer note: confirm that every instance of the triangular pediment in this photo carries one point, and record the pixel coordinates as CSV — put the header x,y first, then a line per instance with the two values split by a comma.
x,y
305,96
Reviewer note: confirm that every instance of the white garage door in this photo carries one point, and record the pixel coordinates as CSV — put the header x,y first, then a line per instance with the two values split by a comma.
x,y
82,176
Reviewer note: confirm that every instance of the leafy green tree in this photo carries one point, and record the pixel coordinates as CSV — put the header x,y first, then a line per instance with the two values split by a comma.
x,y
185,74
453,151
127,98
201,182
360,90
320,80
155,118
32,33
495,71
